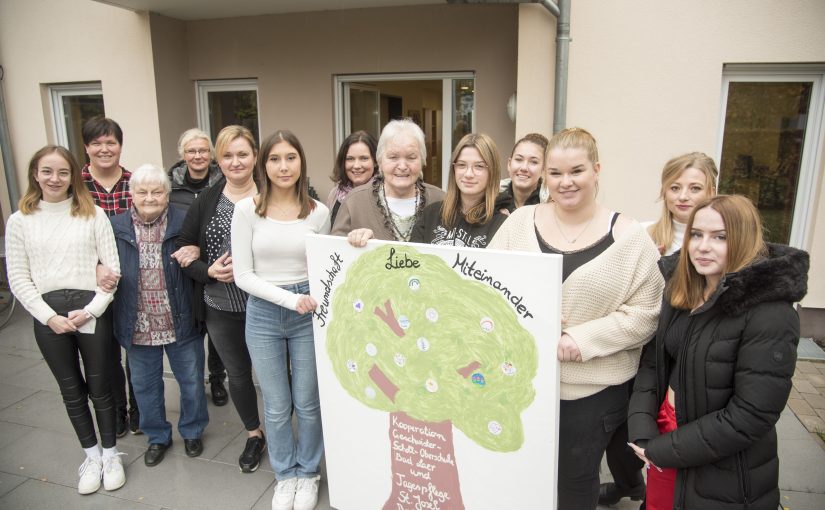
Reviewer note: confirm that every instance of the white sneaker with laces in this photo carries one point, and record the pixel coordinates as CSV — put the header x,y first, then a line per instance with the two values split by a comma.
x,y
113,475
284,496
306,493
90,473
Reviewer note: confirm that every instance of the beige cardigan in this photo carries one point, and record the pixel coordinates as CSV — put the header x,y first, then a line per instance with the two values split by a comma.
x,y
611,304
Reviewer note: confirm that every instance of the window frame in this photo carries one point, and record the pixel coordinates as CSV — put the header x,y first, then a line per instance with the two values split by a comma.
x,y
204,87
57,91
809,179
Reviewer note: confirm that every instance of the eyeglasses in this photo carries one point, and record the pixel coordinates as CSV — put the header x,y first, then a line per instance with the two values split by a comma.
x,y
461,166
199,152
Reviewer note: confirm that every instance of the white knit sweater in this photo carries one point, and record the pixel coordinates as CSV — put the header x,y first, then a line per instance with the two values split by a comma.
x,y
611,304
52,250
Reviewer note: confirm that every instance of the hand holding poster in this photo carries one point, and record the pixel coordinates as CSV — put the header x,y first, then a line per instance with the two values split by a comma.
x,y
452,353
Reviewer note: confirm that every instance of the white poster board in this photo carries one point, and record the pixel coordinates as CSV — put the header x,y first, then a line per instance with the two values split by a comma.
x,y
438,375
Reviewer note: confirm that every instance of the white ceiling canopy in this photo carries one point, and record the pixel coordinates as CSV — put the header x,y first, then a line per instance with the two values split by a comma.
x,y
209,9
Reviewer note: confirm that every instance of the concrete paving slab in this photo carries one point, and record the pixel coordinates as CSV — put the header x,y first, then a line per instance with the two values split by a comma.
x,y
43,409
37,377
816,400
37,495
8,482
11,394
802,500
801,407
13,364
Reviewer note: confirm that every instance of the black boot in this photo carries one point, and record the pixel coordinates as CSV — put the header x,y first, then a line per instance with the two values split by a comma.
x,y
219,395
610,493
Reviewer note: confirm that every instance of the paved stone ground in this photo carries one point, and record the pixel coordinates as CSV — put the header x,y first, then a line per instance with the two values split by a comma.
x,y
39,453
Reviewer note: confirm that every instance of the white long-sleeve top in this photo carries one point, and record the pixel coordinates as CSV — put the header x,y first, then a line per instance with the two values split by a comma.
x,y
52,250
268,253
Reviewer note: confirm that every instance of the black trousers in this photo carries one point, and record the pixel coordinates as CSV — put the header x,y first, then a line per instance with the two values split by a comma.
x,y
61,354
119,378
585,429
217,371
227,330
624,465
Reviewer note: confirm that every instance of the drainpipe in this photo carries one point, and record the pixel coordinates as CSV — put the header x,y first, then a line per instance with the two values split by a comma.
x,y
5,147
561,10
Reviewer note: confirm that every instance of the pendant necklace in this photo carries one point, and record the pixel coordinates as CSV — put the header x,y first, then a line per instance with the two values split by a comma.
x,y
571,241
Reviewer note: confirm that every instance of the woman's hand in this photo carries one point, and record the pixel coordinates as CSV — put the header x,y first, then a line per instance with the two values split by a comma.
x,y
78,317
568,349
305,304
106,278
640,452
359,237
221,270
60,325
187,254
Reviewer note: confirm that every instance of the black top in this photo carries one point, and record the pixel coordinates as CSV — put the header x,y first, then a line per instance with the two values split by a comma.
x,y
572,260
430,229
506,200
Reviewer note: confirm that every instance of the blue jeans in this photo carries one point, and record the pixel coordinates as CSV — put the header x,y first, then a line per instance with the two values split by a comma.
x,y
280,339
186,360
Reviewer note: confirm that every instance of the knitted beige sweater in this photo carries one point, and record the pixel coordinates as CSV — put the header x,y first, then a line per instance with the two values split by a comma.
x,y
611,304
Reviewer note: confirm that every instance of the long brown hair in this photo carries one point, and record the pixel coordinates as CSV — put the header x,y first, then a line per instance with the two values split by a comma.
x,y
483,211
82,204
265,187
743,228
339,172
662,230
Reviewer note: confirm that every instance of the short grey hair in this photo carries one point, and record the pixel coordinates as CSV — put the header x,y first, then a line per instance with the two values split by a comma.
x,y
191,135
149,174
398,127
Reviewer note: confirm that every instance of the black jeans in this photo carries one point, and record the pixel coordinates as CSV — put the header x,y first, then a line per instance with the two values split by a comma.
x,y
217,371
585,428
624,465
61,354
119,378
228,332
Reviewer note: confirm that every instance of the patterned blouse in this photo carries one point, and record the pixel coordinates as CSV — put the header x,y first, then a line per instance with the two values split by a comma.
x,y
222,296
154,324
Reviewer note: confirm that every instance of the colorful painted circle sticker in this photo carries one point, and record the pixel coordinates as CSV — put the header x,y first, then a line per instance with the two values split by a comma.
x,y
508,368
431,385
352,366
404,322
371,349
369,391
494,427
358,305
486,324
478,379
432,314
423,344
414,283
400,359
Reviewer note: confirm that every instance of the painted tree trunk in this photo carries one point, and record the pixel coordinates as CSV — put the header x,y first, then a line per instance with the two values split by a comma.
x,y
424,470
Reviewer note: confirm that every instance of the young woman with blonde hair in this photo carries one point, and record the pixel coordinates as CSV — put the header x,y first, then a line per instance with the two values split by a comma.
x,y
467,216
712,384
610,301
53,245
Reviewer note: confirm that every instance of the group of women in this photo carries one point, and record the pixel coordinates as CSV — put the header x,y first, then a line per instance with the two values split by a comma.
x,y
708,387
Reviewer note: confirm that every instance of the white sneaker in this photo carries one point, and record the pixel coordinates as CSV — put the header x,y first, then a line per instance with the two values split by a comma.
x,y
113,475
306,494
284,496
90,473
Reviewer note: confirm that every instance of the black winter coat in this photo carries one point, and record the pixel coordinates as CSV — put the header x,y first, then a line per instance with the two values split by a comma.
x,y
736,365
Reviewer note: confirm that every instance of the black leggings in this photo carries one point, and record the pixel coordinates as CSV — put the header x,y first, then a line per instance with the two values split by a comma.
x,y
227,330
60,353
585,428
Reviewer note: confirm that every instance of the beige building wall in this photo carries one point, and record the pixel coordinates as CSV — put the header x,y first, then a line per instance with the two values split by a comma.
x,y
647,82
295,57
536,71
44,42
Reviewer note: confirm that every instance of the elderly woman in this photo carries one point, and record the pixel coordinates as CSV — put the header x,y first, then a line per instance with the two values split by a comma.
x,y
389,206
153,314
193,174
355,165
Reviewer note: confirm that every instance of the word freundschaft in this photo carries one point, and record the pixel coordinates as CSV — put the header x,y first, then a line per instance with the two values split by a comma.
x,y
469,269
323,308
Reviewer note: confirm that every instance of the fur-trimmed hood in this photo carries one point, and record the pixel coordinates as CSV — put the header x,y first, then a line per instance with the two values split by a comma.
x,y
178,172
780,276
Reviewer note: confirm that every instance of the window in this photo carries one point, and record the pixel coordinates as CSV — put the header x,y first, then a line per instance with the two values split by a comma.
x,y
225,102
771,131
441,103
72,105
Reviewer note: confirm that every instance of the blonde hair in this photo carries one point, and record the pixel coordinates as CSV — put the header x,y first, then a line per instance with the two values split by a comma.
x,y
483,211
574,138
229,134
743,228
190,135
662,230
82,204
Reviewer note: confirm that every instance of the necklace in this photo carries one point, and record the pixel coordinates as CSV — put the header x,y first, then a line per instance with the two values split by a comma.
x,y
401,232
571,241
286,211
